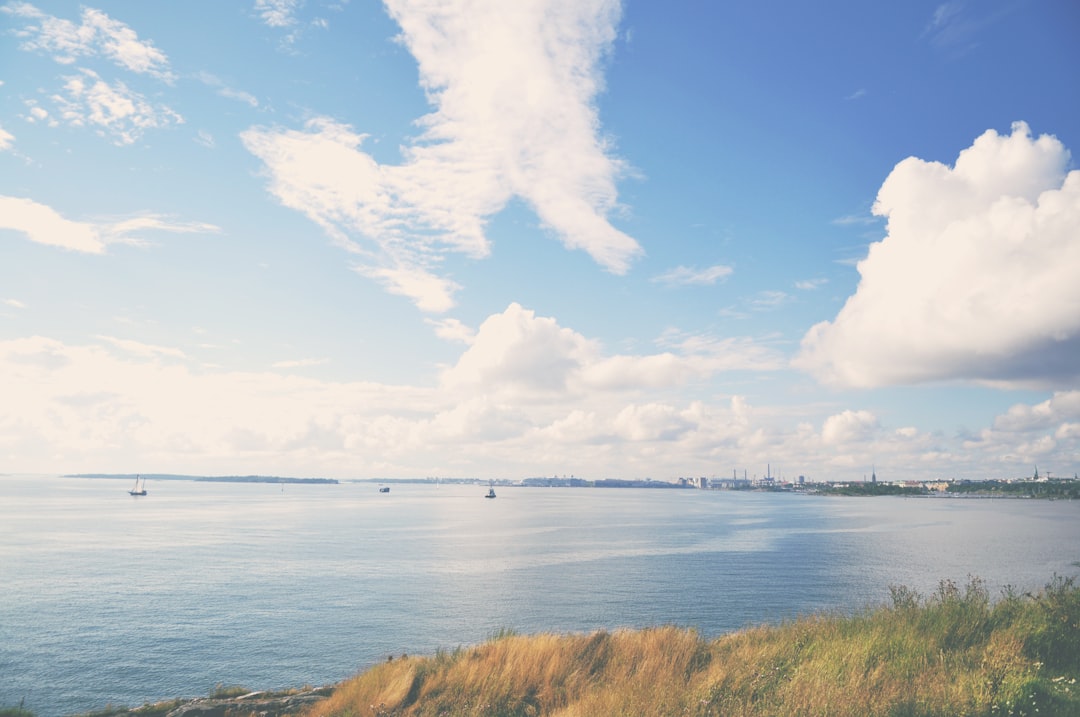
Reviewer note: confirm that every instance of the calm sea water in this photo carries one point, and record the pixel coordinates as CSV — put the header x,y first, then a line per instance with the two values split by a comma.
x,y
110,599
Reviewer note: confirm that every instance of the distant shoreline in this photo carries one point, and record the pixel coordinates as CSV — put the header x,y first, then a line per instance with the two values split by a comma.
x,y
1056,489
204,479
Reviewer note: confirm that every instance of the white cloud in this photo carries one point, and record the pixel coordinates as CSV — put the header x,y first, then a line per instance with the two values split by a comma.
x,y
811,284
300,363
684,276
138,348
976,278
97,34
768,300
452,330
6,140
848,426
114,110
855,219
519,351
428,291
278,13
15,303
1028,434
1061,407
226,91
123,230
651,422
115,402
44,225
514,115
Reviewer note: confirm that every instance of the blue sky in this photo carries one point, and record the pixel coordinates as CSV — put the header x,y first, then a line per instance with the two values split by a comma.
x,y
551,237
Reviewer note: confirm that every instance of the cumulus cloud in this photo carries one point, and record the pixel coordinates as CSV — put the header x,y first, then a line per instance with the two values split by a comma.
x,y
1062,407
44,225
975,279
522,353
1028,434
848,426
519,350
514,116
96,35
114,401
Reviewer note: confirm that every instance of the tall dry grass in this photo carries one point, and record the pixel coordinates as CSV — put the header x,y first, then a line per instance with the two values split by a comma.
x,y
951,653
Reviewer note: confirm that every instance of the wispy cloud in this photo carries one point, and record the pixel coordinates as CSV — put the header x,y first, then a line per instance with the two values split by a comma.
x,y
301,363
452,330
278,13
44,225
514,115
114,110
857,94
141,349
955,25
86,99
856,219
97,34
810,284
769,300
686,276
14,303
6,140
224,90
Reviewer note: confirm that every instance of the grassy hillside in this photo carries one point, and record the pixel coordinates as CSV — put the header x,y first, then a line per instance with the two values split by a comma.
x,y
954,652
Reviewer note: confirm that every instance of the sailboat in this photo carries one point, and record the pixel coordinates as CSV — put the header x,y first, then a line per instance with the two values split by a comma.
x,y
140,486
491,490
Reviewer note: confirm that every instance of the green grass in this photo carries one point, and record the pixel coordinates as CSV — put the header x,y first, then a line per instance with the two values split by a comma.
x,y
954,652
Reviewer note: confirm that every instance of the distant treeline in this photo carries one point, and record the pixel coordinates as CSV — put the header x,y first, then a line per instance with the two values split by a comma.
x,y
1051,488
872,489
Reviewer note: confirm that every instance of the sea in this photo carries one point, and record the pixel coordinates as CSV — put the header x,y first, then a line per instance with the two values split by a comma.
x,y
112,600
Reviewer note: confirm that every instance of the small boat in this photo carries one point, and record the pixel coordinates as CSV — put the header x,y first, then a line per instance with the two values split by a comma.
x,y
491,491
384,489
140,486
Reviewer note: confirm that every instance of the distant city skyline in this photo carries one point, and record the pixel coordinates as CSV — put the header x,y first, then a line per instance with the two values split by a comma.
x,y
598,238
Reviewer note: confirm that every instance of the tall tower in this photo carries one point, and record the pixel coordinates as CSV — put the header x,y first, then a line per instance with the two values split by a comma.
x,y
873,475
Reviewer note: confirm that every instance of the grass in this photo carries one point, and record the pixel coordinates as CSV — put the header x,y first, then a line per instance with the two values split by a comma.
x,y
954,652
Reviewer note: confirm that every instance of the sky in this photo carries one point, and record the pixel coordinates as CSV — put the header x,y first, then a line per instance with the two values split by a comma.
x,y
353,239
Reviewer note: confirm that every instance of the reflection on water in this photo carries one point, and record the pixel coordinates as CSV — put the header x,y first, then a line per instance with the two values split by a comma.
x,y
109,598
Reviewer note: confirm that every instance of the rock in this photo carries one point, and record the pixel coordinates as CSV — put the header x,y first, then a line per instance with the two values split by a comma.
x,y
256,704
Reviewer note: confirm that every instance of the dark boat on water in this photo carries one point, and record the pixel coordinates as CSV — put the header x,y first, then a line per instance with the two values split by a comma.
x,y
140,486
384,489
491,491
